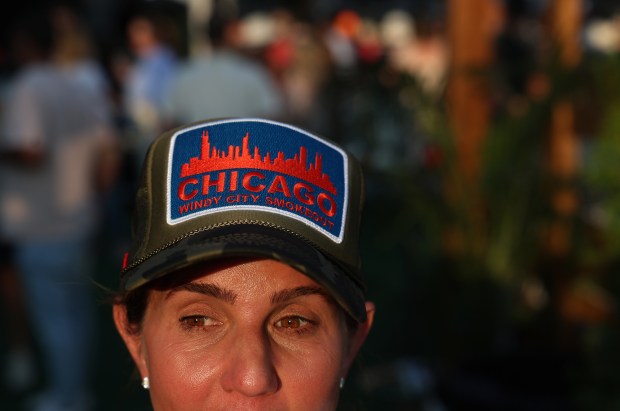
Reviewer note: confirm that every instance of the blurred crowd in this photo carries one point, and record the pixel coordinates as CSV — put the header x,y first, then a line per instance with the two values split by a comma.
x,y
76,120
75,125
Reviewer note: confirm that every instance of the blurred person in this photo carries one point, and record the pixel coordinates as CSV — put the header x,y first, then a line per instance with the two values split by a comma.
x,y
19,372
148,78
306,79
427,61
340,39
57,131
222,82
280,50
418,48
300,61
75,52
74,49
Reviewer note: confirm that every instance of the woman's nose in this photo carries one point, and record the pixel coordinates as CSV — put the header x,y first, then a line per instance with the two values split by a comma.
x,y
249,367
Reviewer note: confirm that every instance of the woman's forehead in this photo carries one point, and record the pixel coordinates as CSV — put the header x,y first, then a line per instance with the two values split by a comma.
x,y
240,276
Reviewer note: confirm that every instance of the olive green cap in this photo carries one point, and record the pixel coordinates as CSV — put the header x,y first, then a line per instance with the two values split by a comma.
x,y
249,187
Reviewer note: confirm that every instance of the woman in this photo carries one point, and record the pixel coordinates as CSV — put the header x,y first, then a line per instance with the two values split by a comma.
x,y
242,289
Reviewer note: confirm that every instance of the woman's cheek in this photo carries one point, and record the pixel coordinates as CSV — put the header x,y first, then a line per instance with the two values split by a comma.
x,y
307,367
184,376
310,383
182,364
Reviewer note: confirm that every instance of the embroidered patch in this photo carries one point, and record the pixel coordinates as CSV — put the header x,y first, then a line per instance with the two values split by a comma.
x,y
257,165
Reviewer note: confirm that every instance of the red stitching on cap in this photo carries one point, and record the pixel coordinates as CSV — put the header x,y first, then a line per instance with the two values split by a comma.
x,y
125,258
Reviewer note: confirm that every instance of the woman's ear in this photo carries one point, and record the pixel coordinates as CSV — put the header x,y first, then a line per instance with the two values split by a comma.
x,y
132,338
359,336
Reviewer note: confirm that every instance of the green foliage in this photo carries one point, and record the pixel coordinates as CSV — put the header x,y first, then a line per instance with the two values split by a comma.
x,y
456,268
601,171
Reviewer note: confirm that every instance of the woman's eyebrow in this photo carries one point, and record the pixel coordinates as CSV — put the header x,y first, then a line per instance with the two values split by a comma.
x,y
291,293
206,289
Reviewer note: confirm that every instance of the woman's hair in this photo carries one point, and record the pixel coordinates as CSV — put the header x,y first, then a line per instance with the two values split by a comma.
x,y
135,303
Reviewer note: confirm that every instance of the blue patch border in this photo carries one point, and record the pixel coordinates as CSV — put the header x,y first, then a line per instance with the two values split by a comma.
x,y
337,239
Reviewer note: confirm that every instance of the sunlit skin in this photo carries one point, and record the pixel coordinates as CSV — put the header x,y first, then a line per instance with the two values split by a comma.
x,y
248,335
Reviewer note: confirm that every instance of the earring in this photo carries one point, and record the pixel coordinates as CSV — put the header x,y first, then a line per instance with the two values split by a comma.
x,y
145,383
341,382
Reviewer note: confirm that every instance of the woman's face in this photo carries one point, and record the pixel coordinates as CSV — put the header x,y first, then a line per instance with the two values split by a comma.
x,y
255,335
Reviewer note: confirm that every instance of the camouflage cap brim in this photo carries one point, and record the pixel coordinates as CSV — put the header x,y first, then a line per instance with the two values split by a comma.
x,y
251,240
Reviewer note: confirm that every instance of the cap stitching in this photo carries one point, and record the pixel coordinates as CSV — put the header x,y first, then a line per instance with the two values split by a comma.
x,y
139,261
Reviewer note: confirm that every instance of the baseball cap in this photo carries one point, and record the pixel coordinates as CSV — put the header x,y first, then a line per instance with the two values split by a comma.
x,y
240,187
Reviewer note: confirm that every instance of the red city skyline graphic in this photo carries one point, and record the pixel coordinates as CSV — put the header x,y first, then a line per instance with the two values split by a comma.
x,y
212,159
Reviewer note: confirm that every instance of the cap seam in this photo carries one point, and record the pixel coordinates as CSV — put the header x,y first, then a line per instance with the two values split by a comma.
x,y
159,249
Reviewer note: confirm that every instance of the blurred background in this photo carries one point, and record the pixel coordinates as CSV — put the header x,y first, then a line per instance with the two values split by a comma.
x,y
489,131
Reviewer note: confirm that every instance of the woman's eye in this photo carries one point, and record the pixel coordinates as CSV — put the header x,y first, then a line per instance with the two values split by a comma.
x,y
198,321
293,322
